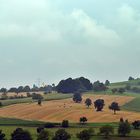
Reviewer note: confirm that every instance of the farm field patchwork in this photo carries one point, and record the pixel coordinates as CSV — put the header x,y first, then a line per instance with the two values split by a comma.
x,y
58,110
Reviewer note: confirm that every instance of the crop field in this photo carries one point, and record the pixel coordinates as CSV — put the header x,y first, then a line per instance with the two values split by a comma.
x,y
58,110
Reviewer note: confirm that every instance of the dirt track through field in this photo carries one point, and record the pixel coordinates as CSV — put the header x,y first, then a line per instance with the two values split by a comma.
x,y
58,110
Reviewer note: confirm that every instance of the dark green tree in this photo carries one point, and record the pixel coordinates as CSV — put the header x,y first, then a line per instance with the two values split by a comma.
x,y
124,128
77,97
20,134
107,83
43,135
2,135
84,135
61,134
99,104
106,130
88,102
83,120
65,123
115,107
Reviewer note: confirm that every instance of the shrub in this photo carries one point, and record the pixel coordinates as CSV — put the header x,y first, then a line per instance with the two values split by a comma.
x,y
43,135
49,125
84,135
61,134
65,123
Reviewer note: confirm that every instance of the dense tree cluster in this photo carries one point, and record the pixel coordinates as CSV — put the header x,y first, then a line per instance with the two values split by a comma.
x,y
74,85
98,86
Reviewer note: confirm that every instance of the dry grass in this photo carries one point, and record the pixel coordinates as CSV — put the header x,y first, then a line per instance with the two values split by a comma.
x,y
58,110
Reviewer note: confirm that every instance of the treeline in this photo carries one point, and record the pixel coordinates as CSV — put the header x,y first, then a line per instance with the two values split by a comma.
x,y
80,85
124,129
27,88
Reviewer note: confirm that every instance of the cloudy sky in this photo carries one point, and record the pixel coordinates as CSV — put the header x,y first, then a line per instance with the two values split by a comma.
x,y
57,39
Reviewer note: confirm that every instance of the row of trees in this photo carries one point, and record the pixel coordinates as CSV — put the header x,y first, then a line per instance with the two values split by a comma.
x,y
61,134
98,104
80,85
48,89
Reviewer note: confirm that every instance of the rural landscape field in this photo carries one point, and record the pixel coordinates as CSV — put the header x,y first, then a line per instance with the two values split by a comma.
x,y
69,70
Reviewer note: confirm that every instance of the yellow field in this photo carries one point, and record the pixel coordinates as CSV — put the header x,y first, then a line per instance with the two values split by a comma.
x,y
58,110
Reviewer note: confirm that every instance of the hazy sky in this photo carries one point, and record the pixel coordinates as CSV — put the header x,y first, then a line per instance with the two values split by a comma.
x,y
57,39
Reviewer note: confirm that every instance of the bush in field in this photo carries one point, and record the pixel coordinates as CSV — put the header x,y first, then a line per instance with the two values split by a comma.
x,y
114,106
20,134
43,135
61,134
83,120
88,102
65,123
37,96
84,135
124,128
99,104
107,82
77,97
39,129
39,102
121,90
114,90
1,104
2,135
136,124
106,130
49,125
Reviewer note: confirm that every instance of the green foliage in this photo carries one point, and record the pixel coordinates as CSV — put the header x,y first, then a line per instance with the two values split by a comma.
x,y
2,135
84,135
74,85
83,120
106,130
88,102
61,134
65,123
114,106
124,128
20,134
77,97
43,135
98,86
99,104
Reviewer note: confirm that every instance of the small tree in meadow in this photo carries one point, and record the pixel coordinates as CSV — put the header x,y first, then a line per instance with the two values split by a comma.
x,y
124,128
88,102
61,134
2,135
99,104
43,135
114,106
106,130
84,135
83,120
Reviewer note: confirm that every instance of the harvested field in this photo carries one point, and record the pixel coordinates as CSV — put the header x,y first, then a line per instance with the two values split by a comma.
x,y
58,110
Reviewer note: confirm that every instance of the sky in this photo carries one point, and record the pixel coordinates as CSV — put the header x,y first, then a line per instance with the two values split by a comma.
x,y
52,40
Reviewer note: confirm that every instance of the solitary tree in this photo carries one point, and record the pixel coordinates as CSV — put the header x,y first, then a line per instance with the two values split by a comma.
x,y
136,124
43,135
107,82
65,123
84,135
88,102
124,128
106,130
39,102
99,104
83,120
114,106
61,134
77,97
20,134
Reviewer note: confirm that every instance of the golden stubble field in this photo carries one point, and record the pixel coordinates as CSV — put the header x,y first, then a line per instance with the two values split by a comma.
x,y
58,110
